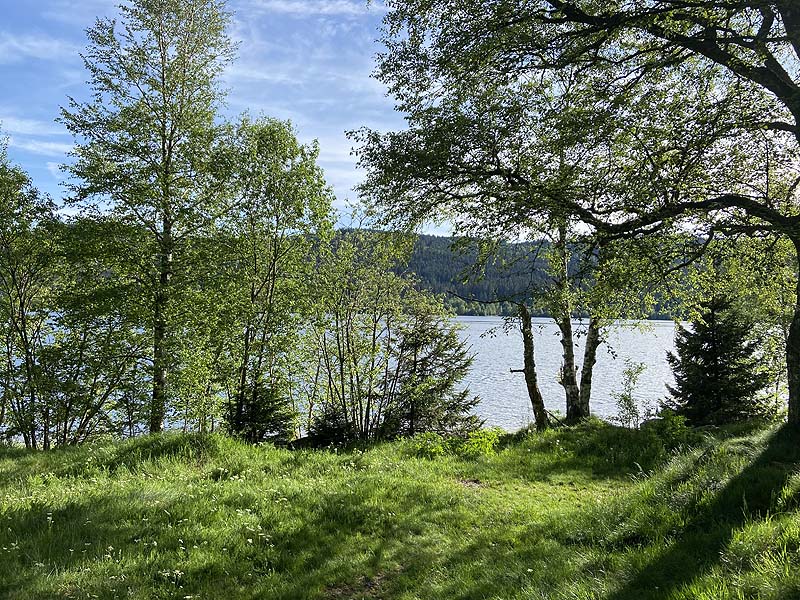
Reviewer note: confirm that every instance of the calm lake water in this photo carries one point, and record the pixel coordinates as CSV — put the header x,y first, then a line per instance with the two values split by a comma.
x,y
504,398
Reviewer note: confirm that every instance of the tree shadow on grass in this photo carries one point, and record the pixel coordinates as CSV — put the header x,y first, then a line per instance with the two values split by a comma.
x,y
73,461
354,537
555,560
594,450
349,548
332,544
752,494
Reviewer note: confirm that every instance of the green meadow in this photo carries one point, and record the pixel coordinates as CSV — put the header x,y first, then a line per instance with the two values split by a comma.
x,y
592,511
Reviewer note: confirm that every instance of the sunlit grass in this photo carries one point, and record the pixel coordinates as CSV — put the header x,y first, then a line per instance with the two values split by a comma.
x,y
591,512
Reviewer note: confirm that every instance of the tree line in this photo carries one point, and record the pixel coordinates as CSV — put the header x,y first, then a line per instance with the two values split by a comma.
x,y
646,156
452,267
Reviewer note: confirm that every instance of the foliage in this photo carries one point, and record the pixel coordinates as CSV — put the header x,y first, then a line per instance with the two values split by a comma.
x,y
28,280
427,445
758,274
329,426
717,375
671,428
482,442
100,355
265,416
507,159
636,119
272,243
430,361
477,443
390,358
628,413
149,149
74,356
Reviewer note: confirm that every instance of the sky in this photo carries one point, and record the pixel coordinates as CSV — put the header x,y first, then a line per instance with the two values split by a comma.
x,y
308,61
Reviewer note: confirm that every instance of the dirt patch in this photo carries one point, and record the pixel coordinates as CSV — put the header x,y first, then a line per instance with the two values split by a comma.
x,y
471,483
363,587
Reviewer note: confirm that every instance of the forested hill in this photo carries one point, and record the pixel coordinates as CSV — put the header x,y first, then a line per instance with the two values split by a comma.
x,y
444,270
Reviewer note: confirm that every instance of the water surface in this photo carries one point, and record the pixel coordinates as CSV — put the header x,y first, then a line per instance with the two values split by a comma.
x,y
504,398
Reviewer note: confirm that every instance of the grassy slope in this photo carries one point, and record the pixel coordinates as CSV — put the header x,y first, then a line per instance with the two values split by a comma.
x,y
553,516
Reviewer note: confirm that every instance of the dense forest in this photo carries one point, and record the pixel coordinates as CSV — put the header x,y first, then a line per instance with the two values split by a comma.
x,y
450,267
447,266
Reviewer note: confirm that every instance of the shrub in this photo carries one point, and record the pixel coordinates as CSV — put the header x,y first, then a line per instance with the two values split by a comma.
x,y
628,413
330,427
262,415
672,429
427,445
481,442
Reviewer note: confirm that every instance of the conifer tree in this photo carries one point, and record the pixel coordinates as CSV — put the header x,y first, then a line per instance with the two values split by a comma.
x,y
717,375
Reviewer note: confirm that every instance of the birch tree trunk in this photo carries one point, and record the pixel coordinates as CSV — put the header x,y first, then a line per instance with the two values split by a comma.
x,y
593,341
531,381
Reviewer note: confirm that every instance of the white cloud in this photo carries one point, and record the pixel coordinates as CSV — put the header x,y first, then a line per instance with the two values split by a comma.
x,y
29,126
333,144
81,14
14,48
255,72
40,147
319,7
55,170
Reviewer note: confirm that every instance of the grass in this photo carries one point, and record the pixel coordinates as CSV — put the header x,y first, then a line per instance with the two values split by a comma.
x,y
588,512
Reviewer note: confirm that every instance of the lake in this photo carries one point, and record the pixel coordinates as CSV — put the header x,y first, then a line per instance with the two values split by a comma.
x,y
504,398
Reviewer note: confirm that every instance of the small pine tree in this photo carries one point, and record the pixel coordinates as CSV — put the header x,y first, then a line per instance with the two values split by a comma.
x,y
431,362
717,375
265,416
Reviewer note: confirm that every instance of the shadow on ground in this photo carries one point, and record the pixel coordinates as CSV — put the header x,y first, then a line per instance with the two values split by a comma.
x,y
750,495
350,538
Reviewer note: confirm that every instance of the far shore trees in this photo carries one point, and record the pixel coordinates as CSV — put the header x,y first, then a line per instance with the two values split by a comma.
x,y
149,148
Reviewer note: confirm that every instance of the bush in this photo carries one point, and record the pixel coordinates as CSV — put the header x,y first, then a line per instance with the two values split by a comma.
x,y
482,442
427,445
672,429
263,415
394,359
330,428
628,413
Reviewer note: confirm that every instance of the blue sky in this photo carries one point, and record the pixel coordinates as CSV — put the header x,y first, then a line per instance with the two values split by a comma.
x,y
304,60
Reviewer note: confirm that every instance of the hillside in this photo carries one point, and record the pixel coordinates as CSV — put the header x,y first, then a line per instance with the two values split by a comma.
x,y
592,512
449,272
446,271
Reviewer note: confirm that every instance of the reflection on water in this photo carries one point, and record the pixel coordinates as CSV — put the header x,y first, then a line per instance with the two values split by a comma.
x,y
504,399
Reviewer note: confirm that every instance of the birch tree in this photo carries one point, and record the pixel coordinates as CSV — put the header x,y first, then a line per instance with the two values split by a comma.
x,y
148,145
